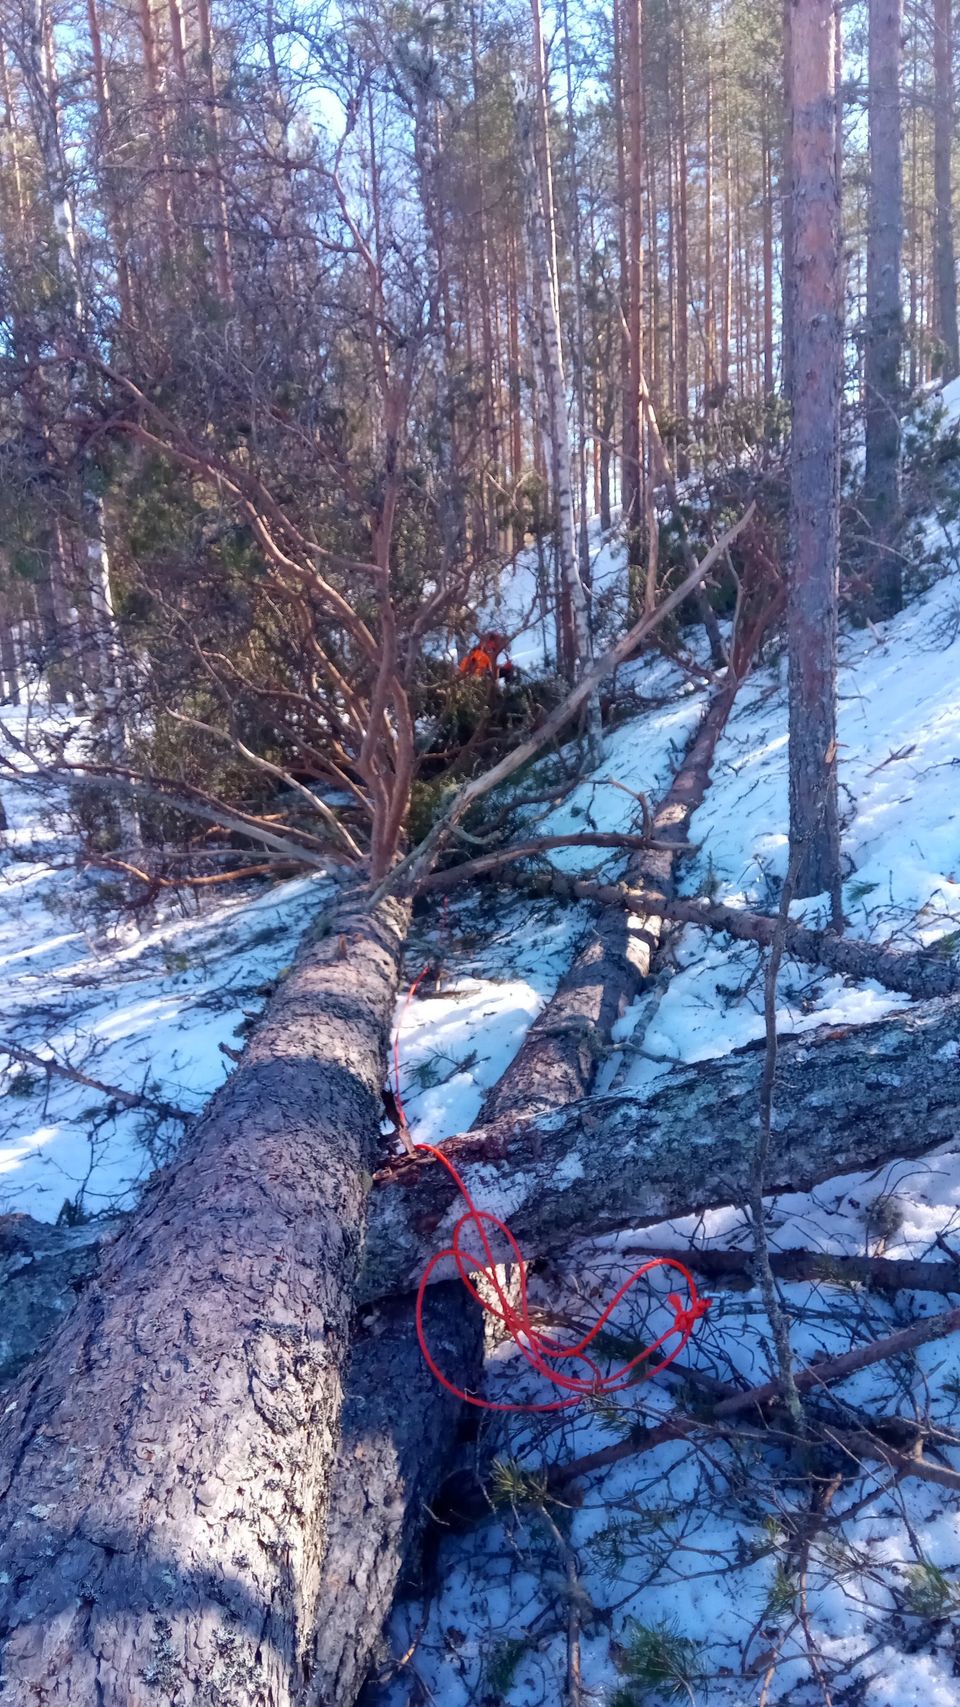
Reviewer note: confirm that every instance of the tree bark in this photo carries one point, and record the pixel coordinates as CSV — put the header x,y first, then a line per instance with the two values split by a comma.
x,y
884,316
165,1468
943,122
558,1060
919,974
683,266
815,451
845,1102
879,1274
785,196
558,426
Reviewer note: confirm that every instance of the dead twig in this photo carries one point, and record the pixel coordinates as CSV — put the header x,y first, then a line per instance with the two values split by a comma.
x,y
62,1070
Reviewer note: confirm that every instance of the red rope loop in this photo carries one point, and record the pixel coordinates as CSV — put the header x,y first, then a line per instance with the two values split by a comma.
x,y
543,1354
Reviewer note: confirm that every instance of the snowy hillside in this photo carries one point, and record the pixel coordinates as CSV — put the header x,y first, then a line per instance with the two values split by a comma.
x,y
688,1545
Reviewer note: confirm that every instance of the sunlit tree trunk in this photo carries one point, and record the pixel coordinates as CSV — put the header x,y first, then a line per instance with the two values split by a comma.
x,y
943,185
816,265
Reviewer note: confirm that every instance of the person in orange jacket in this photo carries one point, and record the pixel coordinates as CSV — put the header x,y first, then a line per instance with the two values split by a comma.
x,y
484,658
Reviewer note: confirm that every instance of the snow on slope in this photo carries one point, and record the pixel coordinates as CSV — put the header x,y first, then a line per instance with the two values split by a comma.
x,y
143,1010
698,1544
673,1537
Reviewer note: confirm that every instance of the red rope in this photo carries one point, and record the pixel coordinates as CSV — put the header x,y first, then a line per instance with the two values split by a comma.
x,y
542,1353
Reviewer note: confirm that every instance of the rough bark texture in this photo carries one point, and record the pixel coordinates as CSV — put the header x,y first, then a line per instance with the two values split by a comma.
x,y
816,379
883,341
398,1432
165,1466
846,1100
877,1274
557,1061
558,425
943,120
43,1269
921,975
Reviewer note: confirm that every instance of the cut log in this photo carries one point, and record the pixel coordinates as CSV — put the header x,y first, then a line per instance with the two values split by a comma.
x,y
922,973
847,1099
403,1424
877,1274
165,1467
399,1430
558,1059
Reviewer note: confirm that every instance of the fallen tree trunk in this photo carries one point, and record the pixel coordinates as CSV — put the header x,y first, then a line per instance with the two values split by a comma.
x,y
165,1467
846,1100
878,1274
403,1422
558,1059
920,973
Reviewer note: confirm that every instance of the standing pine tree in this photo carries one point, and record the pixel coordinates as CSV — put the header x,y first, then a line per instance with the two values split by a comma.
x,y
817,375
883,342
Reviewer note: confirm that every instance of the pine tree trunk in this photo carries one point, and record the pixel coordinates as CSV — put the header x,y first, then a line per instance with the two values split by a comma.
x,y
787,279
556,416
683,272
943,123
767,254
684,1147
817,368
633,124
221,234
166,1468
884,316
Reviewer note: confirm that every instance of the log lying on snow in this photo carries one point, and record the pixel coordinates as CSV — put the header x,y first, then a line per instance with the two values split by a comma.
x,y
919,973
557,1061
404,1444
165,1468
846,1100
877,1274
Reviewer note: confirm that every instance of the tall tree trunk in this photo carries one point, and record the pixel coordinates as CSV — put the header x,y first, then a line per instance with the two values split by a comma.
x,y
632,441
884,316
491,401
558,426
41,73
943,123
221,230
166,1470
623,241
118,223
815,264
579,337
767,201
727,304
709,315
683,267
787,279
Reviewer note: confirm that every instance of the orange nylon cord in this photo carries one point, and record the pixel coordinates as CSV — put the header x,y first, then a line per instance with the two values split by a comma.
x,y
543,1354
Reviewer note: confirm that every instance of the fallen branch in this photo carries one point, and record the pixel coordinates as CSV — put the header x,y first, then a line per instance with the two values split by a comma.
x,y
919,974
53,1068
857,1444
830,1369
882,1274
452,875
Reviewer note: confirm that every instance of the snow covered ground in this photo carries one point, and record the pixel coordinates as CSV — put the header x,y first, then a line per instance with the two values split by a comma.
x,y
697,1543
683,1544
